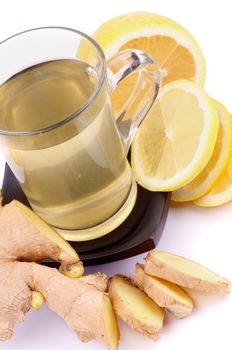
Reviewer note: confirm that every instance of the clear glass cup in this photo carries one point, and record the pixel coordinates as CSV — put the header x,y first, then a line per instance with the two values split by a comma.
x,y
74,171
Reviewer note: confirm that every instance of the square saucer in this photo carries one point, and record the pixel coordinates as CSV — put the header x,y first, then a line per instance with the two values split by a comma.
x,y
139,233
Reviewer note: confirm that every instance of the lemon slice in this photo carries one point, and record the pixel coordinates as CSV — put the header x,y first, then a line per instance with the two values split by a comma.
x,y
221,192
167,41
217,164
171,45
176,140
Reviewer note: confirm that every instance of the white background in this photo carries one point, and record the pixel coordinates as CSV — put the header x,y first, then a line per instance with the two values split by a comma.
x,y
204,235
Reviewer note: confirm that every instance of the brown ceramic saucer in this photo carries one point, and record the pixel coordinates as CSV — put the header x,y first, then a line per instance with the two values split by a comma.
x,y
139,233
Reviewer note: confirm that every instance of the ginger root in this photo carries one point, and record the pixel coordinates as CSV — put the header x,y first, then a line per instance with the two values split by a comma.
x,y
164,293
184,272
82,301
135,308
25,236
25,240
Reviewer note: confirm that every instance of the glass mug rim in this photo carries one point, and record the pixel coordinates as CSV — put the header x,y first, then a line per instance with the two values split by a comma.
x,y
97,89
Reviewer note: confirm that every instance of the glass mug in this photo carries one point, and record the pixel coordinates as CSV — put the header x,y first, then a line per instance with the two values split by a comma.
x,y
57,130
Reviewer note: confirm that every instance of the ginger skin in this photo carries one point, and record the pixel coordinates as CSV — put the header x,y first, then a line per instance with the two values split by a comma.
x,y
164,293
80,302
184,272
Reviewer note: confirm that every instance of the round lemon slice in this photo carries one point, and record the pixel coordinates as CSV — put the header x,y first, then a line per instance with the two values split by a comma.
x,y
217,164
221,192
176,140
170,44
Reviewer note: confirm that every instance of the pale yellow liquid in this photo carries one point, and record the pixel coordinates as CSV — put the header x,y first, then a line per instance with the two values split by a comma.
x,y
74,176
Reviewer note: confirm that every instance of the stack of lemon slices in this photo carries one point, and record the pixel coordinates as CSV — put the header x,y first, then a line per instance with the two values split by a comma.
x,y
184,145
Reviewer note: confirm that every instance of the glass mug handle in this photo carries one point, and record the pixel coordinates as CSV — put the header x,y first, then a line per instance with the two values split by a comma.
x,y
144,93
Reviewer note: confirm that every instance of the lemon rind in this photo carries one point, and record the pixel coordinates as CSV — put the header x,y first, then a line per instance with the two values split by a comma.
x,y
114,33
185,194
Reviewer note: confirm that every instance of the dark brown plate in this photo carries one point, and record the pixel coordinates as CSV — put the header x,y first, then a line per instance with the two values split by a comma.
x,y
139,233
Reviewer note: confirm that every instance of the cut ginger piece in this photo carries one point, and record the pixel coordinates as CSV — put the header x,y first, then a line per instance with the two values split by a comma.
x,y
82,302
164,293
184,272
135,308
20,220
43,227
61,249
110,324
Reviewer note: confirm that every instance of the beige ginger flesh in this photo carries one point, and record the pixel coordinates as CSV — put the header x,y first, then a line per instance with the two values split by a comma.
x,y
184,272
82,302
135,308
164,293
